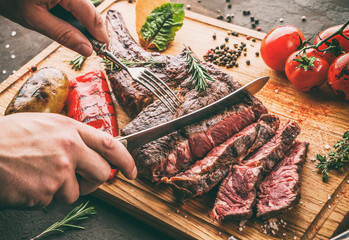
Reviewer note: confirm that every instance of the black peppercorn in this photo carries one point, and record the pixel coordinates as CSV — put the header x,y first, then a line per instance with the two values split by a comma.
x,y
226,39
248,62
257,54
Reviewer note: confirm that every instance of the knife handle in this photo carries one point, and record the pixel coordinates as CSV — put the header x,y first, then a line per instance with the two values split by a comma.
x,y
113,172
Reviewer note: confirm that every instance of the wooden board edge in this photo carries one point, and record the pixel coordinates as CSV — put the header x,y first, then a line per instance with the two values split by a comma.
x,y
324,214
221,24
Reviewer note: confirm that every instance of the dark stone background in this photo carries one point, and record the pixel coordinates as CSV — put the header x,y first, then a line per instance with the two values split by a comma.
x,y
111,223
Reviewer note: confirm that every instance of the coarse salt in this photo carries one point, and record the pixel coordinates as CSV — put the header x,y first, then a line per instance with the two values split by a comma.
x,y
13,71
327,146
281,20
7,45
276,90
273,232
294,237
220,233
185,216
3,71
320,202
169,214
231,238
284,234
13,33
240,229
291,110
348,181
329,206
13,56
301,203
313,159
328,196
132,190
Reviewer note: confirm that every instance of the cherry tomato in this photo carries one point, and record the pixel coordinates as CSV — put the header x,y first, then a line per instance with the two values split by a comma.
x,y
279,44
302,79
344,43
338,76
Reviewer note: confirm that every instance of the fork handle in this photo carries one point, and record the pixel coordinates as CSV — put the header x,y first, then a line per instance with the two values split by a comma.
x,y
98,47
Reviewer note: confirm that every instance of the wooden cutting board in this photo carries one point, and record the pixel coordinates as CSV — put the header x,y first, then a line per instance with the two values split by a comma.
x,y
322,117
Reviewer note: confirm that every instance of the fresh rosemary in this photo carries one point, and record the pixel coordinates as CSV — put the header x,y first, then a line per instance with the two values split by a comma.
x,y
77,214
77,62
198,72
109,65
336,159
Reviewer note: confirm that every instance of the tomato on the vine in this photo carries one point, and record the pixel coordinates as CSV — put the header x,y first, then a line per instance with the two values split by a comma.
x,y
344,43
279,44
306,71
338,76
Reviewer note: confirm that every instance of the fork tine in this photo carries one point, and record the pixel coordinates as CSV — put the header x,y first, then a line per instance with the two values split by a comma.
x,y
145,75
151,89
159,80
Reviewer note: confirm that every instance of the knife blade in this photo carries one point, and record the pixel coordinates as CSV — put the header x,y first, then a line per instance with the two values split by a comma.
x,y
142,137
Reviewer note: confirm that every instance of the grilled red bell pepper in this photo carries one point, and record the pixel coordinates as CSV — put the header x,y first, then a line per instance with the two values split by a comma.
x,y
90,102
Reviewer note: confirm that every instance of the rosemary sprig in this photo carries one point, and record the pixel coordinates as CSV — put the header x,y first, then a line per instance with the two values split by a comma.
x,y
77,62
336,159
78,213
109,65
198,72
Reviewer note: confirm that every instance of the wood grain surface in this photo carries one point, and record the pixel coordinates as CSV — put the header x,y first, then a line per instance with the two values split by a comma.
x,y
322,117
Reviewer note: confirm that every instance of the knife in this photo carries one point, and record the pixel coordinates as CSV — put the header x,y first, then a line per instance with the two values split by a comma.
x,y
140,138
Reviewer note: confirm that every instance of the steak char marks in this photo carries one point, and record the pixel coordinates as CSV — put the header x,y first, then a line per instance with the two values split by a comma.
x,y
237,194
208,172
170,154
281,189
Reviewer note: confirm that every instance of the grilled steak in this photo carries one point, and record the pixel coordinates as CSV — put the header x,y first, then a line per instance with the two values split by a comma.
x,y
170,154
235,200
281,189
206,173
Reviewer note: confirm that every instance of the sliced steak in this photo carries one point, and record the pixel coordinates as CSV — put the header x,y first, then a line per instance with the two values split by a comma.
x,y
281,189
208,172
235,201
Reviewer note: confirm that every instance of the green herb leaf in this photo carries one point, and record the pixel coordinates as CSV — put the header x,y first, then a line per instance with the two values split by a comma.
x,y
77,62
335,159
198,72
110,66
162,24
78,213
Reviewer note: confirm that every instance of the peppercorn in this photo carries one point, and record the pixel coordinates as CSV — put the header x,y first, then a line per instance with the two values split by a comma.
x,y
256,21
244,12
236,65
253,25
129,1
220,17
215,62
214,36
223,45
303,18
257,54
34,68
253,40
229,5
252,19
226,39
248,62
245,49
188,6
245,54
226,48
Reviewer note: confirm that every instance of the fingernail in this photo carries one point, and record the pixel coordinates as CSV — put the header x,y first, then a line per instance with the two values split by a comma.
x,y
84,49
134,173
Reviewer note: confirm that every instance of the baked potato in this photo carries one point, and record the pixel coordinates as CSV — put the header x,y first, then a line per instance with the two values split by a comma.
x,y
45,91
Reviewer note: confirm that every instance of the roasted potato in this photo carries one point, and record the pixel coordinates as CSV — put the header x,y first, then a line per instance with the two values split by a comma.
x,y
45,91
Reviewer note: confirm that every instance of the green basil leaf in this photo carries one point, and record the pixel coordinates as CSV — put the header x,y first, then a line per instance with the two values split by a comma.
x,y
162,24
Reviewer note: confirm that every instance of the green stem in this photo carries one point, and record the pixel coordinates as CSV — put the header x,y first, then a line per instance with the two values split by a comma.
x,y
318,44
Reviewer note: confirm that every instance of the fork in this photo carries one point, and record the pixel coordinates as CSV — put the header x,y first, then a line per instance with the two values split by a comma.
x,y
139,74
143,76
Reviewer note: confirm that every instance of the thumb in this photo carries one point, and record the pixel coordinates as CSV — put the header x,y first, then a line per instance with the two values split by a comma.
x,y
41,20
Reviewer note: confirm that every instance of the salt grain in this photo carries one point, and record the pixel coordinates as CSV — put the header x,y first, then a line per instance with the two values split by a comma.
x,y
320,202
294,237
348,181
13,56
13,71
313,159
240,229
273,232
291,110
284,234
185,216
281,20
337,195
231,238
276,90
220,233
7,45
3,71
327,146
301,203
328,196
169,214
13,33
329,206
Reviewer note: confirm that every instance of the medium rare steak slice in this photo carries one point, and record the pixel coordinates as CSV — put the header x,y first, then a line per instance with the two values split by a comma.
x,y
235,201
281,189
169,158
208,172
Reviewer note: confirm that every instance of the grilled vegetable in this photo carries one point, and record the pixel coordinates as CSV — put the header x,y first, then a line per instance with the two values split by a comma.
x,y
90,102
45,91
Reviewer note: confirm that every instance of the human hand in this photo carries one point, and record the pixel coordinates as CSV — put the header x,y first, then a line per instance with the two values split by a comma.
x,y
45,156
35,15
